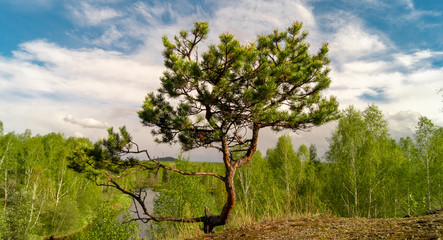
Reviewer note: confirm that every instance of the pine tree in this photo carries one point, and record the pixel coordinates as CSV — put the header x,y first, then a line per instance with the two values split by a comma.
x,y
221,99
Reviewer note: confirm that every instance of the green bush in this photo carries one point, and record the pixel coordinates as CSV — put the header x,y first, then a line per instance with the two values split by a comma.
x,y
106,226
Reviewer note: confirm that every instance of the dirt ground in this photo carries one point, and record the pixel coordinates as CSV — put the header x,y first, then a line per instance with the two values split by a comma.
x,y
428,226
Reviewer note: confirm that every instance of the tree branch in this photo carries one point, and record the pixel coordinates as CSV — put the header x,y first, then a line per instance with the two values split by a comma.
x,y
160,165
205,219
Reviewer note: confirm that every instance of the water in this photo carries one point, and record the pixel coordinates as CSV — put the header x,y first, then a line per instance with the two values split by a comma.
x,y
149,203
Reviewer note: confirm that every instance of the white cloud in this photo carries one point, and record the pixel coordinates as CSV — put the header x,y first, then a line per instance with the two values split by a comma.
x,y
91,73
368,68
87,14
396,90
409,4
144,22
402,124
411,60
79,135
413,16
365,66
246,19
352,41
110,36
86,122
42,81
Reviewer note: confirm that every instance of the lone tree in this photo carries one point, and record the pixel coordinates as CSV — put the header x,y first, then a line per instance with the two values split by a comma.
x,y
219,99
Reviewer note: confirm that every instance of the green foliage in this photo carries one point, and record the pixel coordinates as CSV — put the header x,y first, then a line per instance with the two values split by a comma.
x,y
372,176
368,174
186,196
39,195
428,146
183,196
106,226
361,151
104,155
436,172
3,225
285,166
255,189
279,184
408,177
274,82
312,183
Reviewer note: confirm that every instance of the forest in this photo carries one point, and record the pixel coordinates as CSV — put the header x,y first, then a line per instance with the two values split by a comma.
x,y
364,173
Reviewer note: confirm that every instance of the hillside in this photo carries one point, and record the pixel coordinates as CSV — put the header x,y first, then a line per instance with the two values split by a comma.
x,y
427,226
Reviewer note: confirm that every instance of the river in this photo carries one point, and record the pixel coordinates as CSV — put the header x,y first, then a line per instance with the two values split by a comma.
x,y
149,203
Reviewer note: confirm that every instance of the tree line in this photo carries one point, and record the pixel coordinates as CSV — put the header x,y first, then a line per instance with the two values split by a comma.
x,y
39,195
366,173
374,176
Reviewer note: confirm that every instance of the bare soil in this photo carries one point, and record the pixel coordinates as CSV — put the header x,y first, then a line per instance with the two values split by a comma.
x,y
427,226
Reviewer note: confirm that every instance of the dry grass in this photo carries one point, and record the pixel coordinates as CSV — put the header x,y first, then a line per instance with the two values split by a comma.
x,y
428,226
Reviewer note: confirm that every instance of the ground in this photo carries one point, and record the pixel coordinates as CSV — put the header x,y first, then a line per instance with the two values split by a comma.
x,y
428,226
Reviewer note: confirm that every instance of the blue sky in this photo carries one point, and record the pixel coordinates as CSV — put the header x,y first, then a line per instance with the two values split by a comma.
x,y
78,67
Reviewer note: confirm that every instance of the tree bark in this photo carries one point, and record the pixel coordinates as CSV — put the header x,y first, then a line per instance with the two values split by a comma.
x,y
230,190
6,192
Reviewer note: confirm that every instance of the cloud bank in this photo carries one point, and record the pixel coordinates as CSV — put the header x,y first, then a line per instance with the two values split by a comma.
x,y
85,122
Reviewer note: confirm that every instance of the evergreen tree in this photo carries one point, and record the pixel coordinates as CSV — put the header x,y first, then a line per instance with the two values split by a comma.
x,y
224,97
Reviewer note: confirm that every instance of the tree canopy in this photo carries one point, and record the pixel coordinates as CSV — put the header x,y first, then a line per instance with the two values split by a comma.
x,y
232,88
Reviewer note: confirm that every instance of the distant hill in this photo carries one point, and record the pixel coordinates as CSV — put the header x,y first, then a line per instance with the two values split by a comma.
x,y
166,159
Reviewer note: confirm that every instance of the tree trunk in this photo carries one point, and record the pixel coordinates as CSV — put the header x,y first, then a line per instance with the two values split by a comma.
x,y
370,199
29,226
243,176
212,221
354,184
6,175
428,184
230,191
6,192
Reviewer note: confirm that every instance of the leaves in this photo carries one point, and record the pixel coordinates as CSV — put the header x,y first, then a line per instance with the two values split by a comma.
x,y
274,82
39,195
